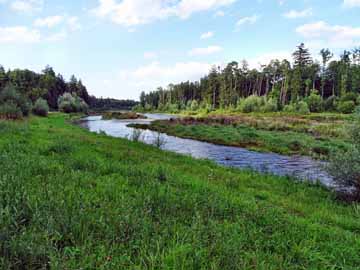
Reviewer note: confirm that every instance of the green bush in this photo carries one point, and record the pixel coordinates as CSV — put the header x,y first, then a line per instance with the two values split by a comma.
x,y
270,105
346,107
13,104
9,110
330,103
314,102
69,103
194,106
41,107
350,96
300,107
345,166
252,103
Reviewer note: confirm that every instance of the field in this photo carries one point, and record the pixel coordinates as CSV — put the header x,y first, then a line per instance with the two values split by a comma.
x,y
315,135
70,199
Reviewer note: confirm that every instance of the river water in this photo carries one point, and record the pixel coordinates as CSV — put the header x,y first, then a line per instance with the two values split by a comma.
x,y
303,168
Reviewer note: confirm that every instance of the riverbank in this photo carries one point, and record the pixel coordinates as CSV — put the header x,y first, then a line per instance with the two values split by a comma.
x,y
73,199
315,135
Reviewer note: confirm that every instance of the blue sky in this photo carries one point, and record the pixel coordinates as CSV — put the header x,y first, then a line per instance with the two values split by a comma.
x,y
121,47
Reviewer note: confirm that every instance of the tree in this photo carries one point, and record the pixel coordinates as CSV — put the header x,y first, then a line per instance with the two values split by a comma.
x,y
326,55
301,56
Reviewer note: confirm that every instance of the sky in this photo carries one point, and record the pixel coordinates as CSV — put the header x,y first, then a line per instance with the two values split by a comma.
x,y
122,47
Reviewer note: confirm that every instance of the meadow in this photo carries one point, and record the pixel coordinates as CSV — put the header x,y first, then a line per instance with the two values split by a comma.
x,y
71,199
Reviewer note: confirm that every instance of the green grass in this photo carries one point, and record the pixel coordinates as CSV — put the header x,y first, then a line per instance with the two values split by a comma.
x,y
264,136
70,199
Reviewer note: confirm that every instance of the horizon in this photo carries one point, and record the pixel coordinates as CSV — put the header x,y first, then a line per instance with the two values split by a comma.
x,y
111,45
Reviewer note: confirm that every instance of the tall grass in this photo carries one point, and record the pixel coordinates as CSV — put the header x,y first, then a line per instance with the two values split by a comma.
x,y
70,199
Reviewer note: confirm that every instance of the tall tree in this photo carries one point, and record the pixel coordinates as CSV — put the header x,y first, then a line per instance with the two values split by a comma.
x,y
326,55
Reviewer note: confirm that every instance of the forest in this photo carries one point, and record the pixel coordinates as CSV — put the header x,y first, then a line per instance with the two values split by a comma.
x,y
306,85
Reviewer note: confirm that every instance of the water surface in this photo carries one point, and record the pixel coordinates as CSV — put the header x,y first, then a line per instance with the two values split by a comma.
x,y
301,167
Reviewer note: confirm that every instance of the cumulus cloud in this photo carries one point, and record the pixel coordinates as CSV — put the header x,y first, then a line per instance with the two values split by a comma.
x,y
145,78
136,12
205,51
49,22
294,14
247,20
19,34
352,3
335,36
207,35
27,6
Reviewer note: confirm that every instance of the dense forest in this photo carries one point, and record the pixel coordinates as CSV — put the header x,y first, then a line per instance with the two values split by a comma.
x,y
326,85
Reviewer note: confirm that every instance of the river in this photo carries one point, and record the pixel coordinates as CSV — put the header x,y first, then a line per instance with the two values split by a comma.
x,y
300,167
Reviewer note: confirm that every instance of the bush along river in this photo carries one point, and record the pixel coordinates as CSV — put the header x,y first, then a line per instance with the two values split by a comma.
x,y
300,167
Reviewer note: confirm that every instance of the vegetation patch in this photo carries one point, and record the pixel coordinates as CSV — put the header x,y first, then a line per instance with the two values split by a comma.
x,y
122,115
105,203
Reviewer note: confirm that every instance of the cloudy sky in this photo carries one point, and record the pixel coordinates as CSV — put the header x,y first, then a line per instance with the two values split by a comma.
x,y
121,47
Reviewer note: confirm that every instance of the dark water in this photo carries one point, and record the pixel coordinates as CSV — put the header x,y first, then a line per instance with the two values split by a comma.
x,y
303,168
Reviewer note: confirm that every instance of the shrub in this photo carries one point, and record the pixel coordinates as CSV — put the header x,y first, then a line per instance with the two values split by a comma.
x,y
330,103
350,96
345,166
9,110
13,104
314,102
270,105
346,107
41,107
194,106
69,103
299,107
252,103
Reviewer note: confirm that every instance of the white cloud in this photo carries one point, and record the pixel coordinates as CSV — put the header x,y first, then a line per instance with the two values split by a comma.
x,y
335,36
150,55
265,58
205,51
49,21
219,13
146,78
27,6
294,14
73,23
136,12
352,3
19,34
248,20
207,35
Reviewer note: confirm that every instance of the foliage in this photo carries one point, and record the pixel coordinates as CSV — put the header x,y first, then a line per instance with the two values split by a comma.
x,y
70,103
300,107
41,107
47,85
345,165
346,107
13,104
330,104
271,105
105,203
314,102
251,104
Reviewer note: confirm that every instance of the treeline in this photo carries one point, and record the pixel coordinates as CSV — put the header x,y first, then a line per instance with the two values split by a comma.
x,y
106,104
331,84
46,85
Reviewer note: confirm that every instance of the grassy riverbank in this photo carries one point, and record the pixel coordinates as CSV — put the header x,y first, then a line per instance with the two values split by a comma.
x,y
313,135
70,199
